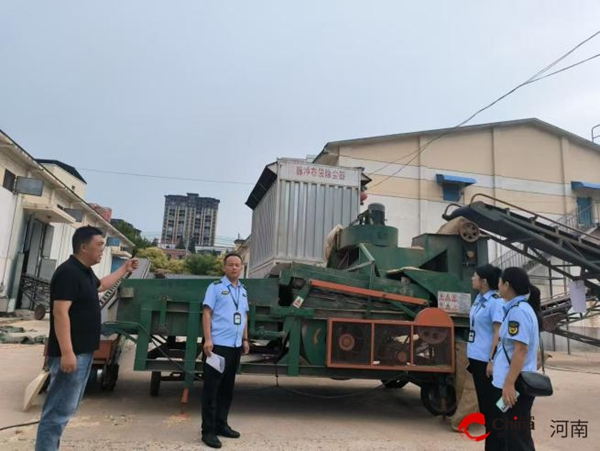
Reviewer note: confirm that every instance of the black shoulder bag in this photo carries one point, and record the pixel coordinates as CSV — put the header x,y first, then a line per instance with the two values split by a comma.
x,y
532,383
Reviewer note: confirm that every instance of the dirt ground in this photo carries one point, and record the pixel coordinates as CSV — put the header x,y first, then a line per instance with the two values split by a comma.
x,y
271,417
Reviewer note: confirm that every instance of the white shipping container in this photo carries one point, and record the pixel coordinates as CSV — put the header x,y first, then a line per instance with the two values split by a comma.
x,y
295,205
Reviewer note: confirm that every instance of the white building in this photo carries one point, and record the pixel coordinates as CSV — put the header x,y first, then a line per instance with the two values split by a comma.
x,y
41,205
214,250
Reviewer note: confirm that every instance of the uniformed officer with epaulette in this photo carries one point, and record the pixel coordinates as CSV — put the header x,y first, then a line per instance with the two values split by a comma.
x,y
225,331
516,352
485,318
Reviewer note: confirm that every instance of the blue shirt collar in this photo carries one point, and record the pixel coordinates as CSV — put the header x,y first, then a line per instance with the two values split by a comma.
x,y
228,283
489,294
484,297
513,301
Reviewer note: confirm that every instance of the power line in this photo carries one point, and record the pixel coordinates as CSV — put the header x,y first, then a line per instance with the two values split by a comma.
x,y
551,65
154,176
530,80
568,67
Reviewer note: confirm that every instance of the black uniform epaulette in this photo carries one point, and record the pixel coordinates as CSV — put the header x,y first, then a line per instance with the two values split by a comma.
x,y
217,282
495,296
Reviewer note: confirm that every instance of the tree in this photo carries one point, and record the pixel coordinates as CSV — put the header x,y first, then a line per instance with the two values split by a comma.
x,y
176,267
192,246
134,235
157,257
204,265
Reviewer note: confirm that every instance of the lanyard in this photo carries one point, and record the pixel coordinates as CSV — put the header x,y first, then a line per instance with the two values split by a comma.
x,y
505,316
235,301
480,305
511,307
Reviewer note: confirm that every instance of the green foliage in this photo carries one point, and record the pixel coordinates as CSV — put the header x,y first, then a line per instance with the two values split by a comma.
x,y
157,257
204,265
198,264
176,267
132,234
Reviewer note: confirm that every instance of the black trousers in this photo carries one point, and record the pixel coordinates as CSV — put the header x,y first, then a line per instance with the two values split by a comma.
x,y
486,401
515,434
217,392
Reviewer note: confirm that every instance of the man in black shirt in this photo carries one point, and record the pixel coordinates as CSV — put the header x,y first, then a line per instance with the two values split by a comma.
x,y
74,331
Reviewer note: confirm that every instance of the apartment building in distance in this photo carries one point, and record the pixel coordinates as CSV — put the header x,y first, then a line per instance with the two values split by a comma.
x,y
189,219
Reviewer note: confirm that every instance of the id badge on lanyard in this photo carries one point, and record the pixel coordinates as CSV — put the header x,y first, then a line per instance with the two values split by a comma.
x,y
472,331
237,317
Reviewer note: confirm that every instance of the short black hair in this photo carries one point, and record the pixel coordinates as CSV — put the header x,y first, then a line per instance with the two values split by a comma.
x,y
489,273
232,254
83,235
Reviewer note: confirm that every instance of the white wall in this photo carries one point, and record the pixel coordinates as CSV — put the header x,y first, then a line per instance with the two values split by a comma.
x,y
74,183
412,217
7,207
62,248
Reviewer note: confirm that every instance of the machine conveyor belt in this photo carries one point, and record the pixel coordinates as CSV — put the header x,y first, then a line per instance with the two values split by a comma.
x,y
537,234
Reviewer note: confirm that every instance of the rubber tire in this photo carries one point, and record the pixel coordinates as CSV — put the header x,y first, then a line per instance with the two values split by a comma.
x,y
155,380
432,401
109,381
39,312
398,383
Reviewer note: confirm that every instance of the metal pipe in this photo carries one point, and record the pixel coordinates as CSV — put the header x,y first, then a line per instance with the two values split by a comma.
x,y
371,260
362,247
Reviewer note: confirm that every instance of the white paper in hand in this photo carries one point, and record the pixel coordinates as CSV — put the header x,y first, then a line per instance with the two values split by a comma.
x,y
217,362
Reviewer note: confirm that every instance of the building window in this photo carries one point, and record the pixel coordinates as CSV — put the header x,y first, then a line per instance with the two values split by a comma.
x,y
452,186
9,180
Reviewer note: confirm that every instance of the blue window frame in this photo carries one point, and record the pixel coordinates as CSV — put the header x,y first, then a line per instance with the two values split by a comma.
x,y
453,185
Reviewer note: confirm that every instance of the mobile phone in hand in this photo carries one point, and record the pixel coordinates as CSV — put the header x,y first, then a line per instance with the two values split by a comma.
x,y
502,406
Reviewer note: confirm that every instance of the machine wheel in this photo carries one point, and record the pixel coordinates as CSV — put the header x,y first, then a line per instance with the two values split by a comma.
x,y
469,232
155,383
39,312
432,401
110,376
398,383
433,335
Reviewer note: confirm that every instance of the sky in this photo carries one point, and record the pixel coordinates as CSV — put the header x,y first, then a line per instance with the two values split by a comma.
x,y
216,90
